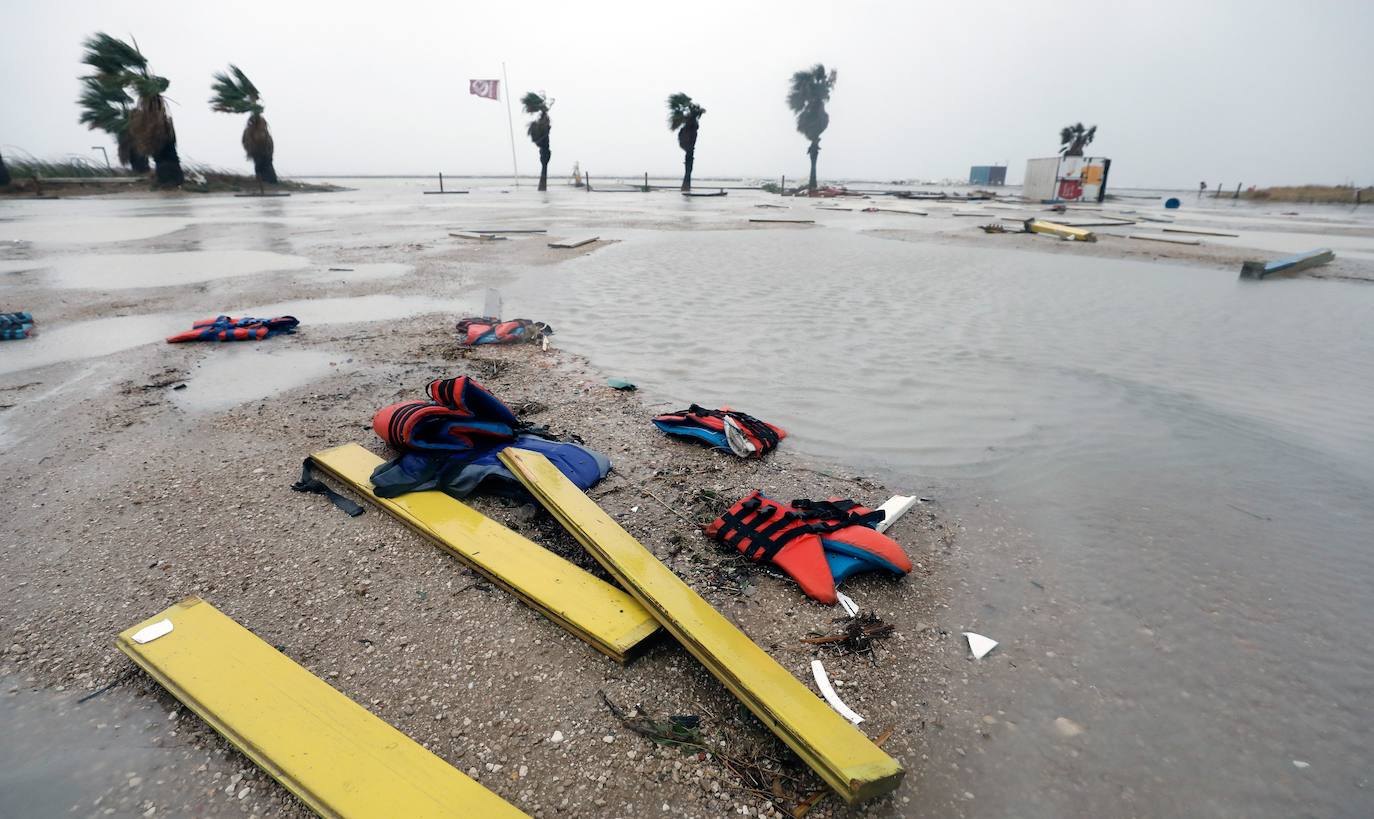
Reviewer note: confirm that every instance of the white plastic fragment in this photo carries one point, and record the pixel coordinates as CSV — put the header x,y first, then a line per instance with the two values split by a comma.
x,y
979,645
823,683
847,603
1299,764
896,506
147,634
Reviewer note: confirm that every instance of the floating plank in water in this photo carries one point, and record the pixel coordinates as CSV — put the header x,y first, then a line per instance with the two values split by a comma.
x,y
488,237
571,243
1145,218
830,207
1173,240
969,213
259,195
589,608
899,210
1112,223
841,754
1062,231
325,748
1287,265
769,205
503,230
786,221
436,193
1197,232
702,193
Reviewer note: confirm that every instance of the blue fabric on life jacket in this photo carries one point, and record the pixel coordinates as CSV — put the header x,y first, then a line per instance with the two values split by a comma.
x,y
467,473
709,436
845,560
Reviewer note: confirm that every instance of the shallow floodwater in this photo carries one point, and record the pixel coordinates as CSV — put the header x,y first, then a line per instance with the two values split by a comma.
x,y
1167,478
235,374
120,271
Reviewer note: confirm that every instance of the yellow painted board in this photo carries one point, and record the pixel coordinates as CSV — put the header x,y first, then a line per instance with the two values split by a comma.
x,y
339,758
1062,231
598,612
842,755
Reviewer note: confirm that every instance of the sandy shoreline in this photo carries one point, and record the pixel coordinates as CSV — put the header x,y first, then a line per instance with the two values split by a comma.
x,y
131,503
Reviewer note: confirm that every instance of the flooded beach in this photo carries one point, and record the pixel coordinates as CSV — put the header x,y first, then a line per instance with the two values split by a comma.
x,y
1158,479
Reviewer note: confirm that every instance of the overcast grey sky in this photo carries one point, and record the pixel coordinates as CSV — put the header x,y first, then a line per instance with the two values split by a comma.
x,y
1261,92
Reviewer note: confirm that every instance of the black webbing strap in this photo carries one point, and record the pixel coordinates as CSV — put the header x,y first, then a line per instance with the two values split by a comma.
x,y
841,511
310,483
764,541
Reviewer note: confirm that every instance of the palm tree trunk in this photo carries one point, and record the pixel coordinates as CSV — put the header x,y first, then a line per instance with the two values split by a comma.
x,y
687,161
263,170
4,172
814,151
544,156
169,165
138,163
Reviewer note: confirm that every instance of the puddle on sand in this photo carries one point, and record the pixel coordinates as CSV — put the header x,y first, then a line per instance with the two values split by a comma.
x,y
120,271
380,307
357,272
20,265
86,339
90,231
64,759
226,378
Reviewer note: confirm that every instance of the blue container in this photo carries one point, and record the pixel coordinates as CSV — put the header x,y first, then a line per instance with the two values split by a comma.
x,y
1172,203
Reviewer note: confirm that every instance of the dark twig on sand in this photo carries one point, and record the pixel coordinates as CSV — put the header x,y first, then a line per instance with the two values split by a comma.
x,y
122,678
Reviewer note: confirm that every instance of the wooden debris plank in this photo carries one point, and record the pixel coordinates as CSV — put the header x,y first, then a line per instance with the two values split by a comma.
x,y
841,754
486,237
566,244
592,609
1061,231
1290,264
328,750
1198,232
786,221
1173,240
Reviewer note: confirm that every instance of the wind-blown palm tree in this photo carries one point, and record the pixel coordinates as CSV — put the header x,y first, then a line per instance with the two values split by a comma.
x,y
149,124
1074,138
105,107
105,104
4,172
236,94
684,116
538,129
810,92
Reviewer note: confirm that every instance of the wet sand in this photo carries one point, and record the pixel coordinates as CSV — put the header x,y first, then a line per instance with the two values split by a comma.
x,y
129,494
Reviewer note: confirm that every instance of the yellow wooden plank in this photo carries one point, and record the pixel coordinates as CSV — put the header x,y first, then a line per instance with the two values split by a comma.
x,y
337,757
608,618
842,755
1062,231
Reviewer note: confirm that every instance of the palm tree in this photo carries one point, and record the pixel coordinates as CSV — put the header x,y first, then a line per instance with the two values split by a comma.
x,y
236,94
4,172
810,92
538,129
684,116
105,104
105,107
1074,138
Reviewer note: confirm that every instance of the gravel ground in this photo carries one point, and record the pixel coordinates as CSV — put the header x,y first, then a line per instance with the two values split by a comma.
x,y
130,504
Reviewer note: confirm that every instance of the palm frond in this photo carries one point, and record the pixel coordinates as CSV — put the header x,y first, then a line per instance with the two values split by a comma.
x,y
807,96
534,103
682,111
111,56
104,104
234,93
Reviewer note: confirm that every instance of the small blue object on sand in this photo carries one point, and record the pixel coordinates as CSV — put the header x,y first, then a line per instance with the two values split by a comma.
x,y
15,325
1172,203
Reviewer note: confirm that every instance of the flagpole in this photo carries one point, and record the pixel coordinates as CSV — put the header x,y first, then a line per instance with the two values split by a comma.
x,y
510,122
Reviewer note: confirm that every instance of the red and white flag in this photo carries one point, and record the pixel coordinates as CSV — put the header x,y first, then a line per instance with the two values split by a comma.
x,y
491,89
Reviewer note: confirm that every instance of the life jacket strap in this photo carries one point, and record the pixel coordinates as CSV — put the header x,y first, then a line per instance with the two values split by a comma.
x,y
310,483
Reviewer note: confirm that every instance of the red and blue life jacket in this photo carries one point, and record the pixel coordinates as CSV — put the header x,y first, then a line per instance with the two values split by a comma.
x,y
817,543
483,330
753,438
226,328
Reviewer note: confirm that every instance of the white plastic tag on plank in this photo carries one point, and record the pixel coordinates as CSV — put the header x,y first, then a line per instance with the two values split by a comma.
x,y
147,634
979,645
827,691
850,607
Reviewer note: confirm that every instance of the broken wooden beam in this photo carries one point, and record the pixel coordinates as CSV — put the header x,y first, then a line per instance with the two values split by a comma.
x,y
1287,265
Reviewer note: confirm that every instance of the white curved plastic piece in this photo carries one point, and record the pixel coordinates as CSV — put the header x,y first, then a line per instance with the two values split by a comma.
x,y
823,683
147,634
896,506
847,603
979,645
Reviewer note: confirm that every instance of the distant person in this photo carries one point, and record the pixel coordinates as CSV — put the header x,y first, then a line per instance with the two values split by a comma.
x,y
1201,188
